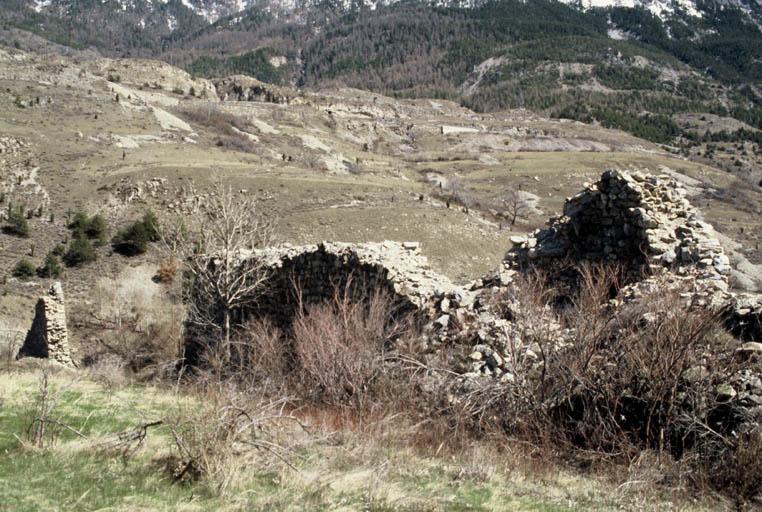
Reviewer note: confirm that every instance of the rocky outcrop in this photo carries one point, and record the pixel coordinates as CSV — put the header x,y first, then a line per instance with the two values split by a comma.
x,y
642,222
246,88
48,336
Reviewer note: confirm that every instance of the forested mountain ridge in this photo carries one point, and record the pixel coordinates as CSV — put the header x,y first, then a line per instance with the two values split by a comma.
x,y
646,68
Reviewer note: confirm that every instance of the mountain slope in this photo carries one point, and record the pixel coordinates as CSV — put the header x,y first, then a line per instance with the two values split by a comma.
x,y
644,69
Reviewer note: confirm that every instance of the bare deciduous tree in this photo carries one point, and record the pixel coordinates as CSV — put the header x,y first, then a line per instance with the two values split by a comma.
x,y
214,245
516,205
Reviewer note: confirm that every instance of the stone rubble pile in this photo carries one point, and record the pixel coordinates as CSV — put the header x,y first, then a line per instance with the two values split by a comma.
x,y
11,146
48,337
745,319
127,191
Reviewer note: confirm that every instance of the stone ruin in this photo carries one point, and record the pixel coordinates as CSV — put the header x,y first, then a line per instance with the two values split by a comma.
x,y
642,222
48,336
646,224
320,270
398,268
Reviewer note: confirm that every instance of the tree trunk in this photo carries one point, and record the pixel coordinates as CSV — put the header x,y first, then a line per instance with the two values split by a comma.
x,y
226,348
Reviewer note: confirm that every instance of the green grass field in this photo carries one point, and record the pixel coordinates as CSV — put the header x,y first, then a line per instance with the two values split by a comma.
x,y
368,469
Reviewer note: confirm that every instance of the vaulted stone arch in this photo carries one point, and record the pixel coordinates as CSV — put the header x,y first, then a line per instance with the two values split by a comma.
x,y
303,275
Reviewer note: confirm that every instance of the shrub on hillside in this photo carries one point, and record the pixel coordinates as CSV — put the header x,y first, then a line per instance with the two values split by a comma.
x,y
78,222
24,269
134,239
51,267
80,252
646,376
16,224
167,271
59,250
341,352
97,229
94,228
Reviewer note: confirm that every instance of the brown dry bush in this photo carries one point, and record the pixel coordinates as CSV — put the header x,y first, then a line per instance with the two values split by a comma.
x,y
340,346
353,350
167,270
738,471
622,381
227,126
233,430
214,117
138,326
236,142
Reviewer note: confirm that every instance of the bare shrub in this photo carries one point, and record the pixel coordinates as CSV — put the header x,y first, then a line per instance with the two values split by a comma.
x,y
237,142
515,205
167,270
739,470
45,426
10,343
228,126
265,350
339,346
229,433
220,277
620,380
140,323
457,191
213,117
354,350
313,161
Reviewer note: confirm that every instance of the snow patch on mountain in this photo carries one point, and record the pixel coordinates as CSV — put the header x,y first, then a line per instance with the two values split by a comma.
x,y
39,5
212,10
659,8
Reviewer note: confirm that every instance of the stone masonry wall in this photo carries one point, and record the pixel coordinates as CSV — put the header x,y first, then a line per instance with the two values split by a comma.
x,y
635,219
48,336
363,269
319,270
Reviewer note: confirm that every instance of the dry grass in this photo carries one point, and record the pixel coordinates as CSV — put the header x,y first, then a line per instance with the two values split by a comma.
x,y
140,323
332,461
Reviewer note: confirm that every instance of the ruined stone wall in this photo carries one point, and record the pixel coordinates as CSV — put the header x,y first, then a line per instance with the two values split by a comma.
x,y
316,272
643,222
48,336
319,270
637,220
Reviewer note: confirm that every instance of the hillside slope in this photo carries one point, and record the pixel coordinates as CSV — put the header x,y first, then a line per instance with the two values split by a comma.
x,y
640,68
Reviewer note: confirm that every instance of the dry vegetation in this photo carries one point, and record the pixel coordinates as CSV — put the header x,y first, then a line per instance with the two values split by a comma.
x,y
343,382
